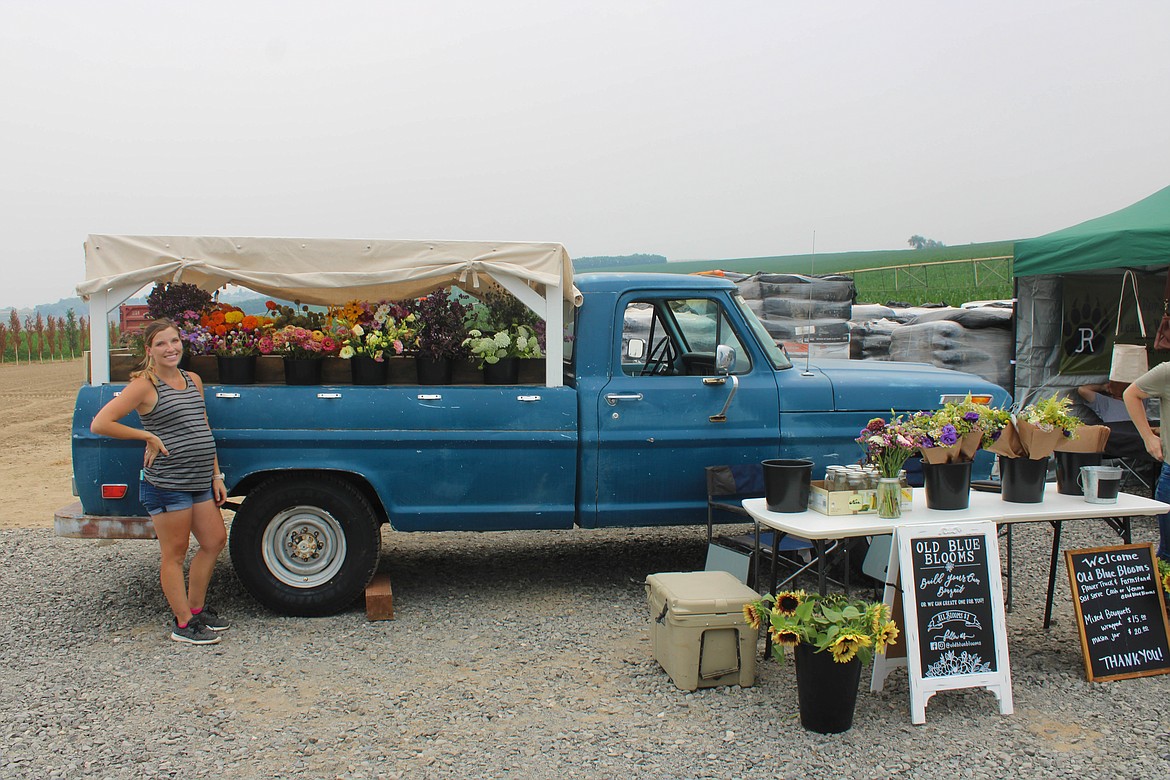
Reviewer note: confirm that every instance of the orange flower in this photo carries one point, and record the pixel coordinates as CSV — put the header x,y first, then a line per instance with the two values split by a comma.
x,y
270,305
249,323
221,330
217,318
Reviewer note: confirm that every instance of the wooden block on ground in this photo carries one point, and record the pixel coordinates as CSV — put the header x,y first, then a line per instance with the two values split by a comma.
x,y
379,598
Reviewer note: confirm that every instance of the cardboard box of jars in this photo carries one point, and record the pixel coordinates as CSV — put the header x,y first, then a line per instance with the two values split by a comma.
x,y
849,502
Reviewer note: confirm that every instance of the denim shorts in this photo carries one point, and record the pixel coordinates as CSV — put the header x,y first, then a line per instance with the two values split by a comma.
x,y
158,500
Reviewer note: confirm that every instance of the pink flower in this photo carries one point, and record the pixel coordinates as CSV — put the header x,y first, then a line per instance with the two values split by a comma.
x,y
265,345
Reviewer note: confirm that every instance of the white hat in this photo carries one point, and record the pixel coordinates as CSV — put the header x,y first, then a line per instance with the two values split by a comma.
x,y
1129,363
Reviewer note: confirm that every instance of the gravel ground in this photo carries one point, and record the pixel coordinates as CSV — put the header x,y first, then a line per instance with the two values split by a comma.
x,y
513,655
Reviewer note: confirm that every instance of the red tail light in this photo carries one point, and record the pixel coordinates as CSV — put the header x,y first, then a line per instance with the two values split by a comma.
x,y
114,491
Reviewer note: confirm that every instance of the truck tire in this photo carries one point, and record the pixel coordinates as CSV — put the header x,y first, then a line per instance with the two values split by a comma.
x,y
305,547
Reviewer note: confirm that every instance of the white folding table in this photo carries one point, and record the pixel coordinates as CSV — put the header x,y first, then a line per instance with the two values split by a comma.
x,y
1055,509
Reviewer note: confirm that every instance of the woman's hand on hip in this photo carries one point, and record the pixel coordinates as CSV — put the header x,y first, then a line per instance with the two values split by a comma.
x,y
154,448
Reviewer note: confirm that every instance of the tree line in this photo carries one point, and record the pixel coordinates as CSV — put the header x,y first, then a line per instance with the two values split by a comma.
x,y
44,338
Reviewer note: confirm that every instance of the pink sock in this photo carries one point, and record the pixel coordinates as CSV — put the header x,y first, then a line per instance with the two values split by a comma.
x,y
196,611
183,625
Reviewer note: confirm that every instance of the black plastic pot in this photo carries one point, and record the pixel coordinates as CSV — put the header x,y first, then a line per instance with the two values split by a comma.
x,y
505,371
826,690
948,485
302,371
365,370
786,484
1068,469
236,369
1022,479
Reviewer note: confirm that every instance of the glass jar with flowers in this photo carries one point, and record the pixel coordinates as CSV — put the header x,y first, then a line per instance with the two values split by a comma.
x,y
831,636
888,445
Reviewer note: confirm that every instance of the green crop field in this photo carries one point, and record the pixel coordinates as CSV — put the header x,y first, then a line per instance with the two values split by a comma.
x,y
952,274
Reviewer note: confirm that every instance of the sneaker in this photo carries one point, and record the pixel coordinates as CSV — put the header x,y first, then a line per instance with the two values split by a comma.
x,y
195,633
210,619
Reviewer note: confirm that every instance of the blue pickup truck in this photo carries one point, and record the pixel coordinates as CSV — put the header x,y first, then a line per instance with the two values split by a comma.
x,y
660,375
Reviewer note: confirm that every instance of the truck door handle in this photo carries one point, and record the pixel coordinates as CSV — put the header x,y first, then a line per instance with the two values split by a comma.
x,y
227,395
329,395
613,398
722,416
528,398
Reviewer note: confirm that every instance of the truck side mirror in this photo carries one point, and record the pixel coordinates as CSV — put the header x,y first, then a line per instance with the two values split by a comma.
x,y
724,359
635,349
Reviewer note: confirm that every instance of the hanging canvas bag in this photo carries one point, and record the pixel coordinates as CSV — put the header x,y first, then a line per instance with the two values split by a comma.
x,y
1162,338
1129,360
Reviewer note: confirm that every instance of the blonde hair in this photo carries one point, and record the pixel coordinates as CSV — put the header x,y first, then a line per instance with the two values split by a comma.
x,y
152,329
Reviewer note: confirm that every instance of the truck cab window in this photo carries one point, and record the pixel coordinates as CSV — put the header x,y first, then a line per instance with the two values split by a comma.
x,y
677,337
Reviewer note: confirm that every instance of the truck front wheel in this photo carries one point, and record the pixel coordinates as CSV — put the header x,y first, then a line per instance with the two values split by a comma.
x,y
305,547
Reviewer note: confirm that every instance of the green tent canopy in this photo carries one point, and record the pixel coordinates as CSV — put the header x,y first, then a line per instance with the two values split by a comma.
x,y
1136,235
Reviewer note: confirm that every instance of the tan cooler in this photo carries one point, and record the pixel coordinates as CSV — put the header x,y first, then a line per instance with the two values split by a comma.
x,y
697,629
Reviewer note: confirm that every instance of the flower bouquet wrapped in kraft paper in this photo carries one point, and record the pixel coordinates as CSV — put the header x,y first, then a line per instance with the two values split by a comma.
x,y
1087,438
1083,448
954,433
1025,444
1039,429
948,439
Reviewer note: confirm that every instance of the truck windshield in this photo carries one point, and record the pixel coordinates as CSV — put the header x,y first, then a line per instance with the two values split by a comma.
x,y
775,354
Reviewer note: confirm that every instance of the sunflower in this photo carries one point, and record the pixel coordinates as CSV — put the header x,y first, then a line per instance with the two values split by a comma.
x,y
875,616
845,647
751,615
787,601
785,637
885,635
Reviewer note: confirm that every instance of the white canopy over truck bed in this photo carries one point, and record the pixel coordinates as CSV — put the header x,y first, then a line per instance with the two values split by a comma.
x,y
324,272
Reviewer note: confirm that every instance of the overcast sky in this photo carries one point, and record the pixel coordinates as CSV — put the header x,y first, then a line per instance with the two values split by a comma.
x,y
694,130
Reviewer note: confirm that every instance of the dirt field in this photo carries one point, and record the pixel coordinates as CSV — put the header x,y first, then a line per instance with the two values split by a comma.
x,y
36,411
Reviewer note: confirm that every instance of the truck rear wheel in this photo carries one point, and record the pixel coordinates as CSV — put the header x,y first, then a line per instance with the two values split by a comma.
x,y
305,547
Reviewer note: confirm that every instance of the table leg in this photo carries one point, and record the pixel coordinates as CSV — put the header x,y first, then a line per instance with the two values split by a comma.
x,y
772,589
756,559
1056,526
819,546
1010,572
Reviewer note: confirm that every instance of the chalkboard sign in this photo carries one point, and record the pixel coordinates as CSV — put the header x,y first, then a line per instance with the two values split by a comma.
x,y
1121,611
952,611
952,597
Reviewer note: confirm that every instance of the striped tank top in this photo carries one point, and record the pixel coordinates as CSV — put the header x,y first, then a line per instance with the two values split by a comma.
x,y
180,420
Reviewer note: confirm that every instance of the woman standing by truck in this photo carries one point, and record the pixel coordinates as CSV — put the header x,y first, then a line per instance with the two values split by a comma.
x,y
181,486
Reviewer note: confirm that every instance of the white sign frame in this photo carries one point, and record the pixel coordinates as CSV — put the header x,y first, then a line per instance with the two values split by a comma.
x,y
999,682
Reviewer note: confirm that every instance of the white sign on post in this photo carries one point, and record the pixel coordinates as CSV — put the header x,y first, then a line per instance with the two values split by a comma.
x,y
952,613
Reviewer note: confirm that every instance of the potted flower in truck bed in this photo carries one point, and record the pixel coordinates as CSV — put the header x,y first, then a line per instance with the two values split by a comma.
x,y
235,342
441,333
372,333
303,351
501,332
